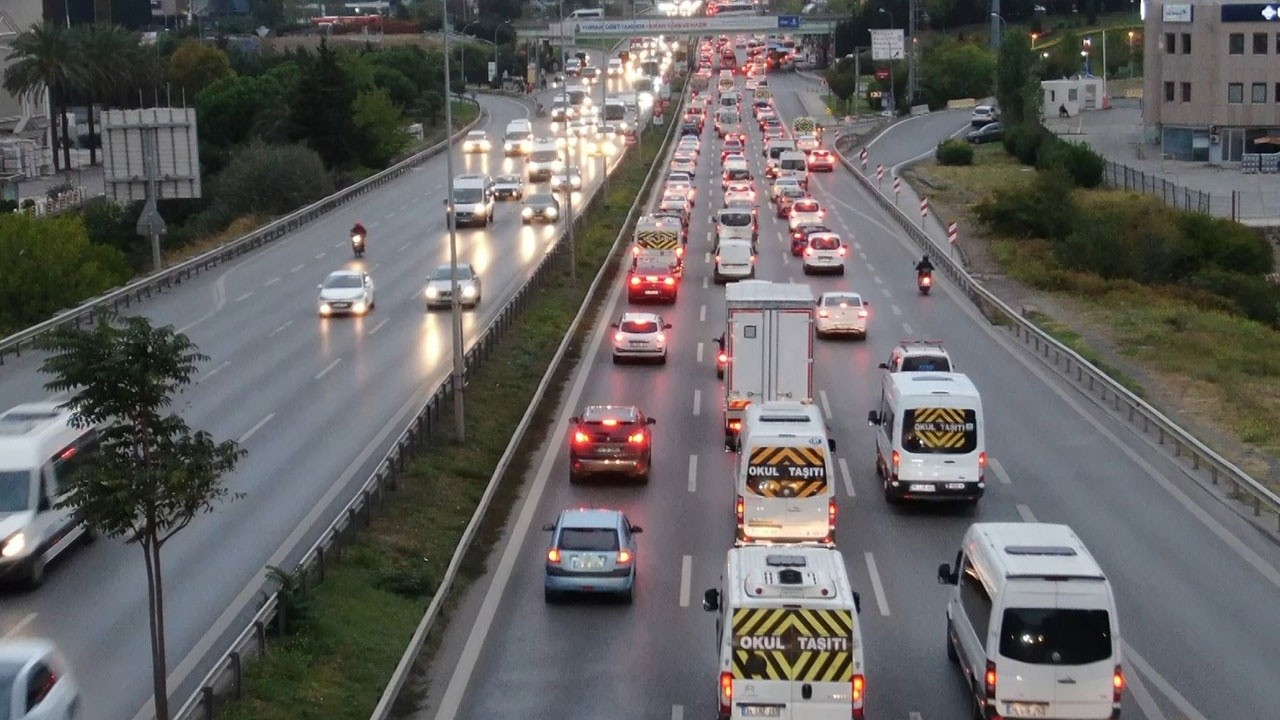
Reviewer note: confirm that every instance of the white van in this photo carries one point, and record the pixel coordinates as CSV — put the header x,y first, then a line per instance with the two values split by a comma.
x,y
735,224
735,260
518,138
784,476
473,200
930,443
1032,624
773,150
40,452
544,159
793,161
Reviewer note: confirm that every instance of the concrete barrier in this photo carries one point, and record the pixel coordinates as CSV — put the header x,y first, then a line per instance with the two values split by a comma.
x,y
961,103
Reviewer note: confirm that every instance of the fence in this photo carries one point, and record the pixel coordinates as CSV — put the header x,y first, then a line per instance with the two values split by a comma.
x,y
1122,176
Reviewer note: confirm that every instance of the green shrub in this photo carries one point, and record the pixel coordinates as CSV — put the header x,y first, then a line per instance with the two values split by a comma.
x,y
1044,208
114,225
954,152
1122,237
293,174
1253,296
1079,161
1023,141
1222,243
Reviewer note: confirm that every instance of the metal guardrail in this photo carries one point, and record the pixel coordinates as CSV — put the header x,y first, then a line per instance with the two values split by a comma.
x,y
1140,416
1122,176
225,677
143,288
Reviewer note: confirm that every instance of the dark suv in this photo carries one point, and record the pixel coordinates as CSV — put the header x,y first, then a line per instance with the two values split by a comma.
x,y
610,439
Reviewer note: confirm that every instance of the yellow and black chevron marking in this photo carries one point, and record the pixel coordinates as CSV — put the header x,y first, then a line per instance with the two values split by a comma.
x,y
799,472
791,644
939,428
658,240
769,455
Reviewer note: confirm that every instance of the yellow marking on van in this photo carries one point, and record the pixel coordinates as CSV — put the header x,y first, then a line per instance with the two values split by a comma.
x,y
793,644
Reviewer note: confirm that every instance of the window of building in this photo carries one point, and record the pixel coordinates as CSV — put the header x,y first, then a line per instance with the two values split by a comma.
x,y
1235,43
1168,91
1235,92
1259,43
1186,92
1170,44
1258,93
1186,43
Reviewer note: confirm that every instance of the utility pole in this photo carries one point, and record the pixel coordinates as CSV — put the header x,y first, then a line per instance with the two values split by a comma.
x,y
564,125
150,224
913,24
459,361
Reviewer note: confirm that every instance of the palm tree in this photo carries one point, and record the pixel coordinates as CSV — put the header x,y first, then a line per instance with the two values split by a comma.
x,y
106,68
42,58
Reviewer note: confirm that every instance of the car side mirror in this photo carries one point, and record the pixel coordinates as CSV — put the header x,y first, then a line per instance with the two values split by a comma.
x,y
711,600
319,287
666,326
857,602
613,325
884,366
548,527
575,420
946,576
873,418
831,443
650,421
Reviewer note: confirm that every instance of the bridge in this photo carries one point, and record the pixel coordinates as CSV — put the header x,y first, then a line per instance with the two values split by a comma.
x,y
651,27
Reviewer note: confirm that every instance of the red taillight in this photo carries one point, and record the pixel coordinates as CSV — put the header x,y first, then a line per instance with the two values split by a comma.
x,y
722,358
862,313
636,438
726,693
735,425
624,557
897,460
982,466
635,280
717,258
842,251
553,556
926,281
832,512
740,509
990,680
1117,684
669,281
808,251
859,691
581,438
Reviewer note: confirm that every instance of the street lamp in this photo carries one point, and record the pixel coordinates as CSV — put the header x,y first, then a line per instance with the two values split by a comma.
x,y
568,196
997,23
462,50
496,28
1034,37
1130,53
459,362
893,98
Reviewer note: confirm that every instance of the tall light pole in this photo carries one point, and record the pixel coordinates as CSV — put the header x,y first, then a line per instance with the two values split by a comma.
x,y
893,95
564,125
462,49
459,362
995,80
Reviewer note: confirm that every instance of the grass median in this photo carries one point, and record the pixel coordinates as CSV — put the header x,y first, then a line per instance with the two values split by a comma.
x,y
359,621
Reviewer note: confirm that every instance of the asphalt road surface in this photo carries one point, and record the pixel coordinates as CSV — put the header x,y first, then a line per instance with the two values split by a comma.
x,y
317,402
1197,588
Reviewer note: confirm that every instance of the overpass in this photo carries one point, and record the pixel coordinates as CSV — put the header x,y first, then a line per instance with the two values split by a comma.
x,y
651,27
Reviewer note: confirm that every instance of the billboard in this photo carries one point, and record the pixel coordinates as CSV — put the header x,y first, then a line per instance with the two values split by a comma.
x,y
887,44
152,144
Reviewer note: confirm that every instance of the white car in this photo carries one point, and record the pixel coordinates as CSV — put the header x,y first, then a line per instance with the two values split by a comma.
x,y
476,141
842,313
983,115
732,198
568,179
824,252
805,210
439,290
787,181
614,68
640,335
684,162
346,292
689,143
37,682
742,187
684,186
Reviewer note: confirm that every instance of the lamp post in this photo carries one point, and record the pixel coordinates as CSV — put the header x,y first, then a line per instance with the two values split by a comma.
x,y
568,196
893,96
459,362
1130,53
1034,37
1002,27
462,49
496,28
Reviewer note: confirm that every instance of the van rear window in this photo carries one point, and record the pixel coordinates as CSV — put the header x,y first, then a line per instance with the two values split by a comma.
x,y
939,430
1055,636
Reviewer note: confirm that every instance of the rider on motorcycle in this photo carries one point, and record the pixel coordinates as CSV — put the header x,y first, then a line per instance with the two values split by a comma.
x,y
924,266
358,229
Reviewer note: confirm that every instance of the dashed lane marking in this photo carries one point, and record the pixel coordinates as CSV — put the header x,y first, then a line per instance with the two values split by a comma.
x,y
245,437
327,368
877,586
1025,513
998,469
280,329
896,310
848,479
686,579
693,473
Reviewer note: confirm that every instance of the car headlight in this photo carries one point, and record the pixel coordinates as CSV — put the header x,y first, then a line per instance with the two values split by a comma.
x,y
526,212
324,308
469,291
432,293
14,546
359,306
551,212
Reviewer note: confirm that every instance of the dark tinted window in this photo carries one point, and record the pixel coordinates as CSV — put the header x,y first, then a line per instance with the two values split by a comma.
x,y
976,602
15,491
344,281
838,300
735,219
1054,636
603,539
925,363
824,242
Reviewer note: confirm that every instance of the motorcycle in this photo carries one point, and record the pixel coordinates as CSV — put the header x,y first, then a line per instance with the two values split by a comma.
x,y
357,245
722,357
924,281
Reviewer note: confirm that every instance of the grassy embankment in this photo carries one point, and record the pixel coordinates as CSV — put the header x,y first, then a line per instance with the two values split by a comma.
x,y
1220,372
360,620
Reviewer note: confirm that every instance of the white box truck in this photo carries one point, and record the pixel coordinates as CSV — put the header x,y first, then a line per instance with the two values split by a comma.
x,y
769,341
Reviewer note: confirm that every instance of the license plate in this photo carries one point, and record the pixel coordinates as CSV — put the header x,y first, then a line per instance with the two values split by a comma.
x,y
1027,710
638,343
760,710
342,304
591,562
650,292
922,487
955,486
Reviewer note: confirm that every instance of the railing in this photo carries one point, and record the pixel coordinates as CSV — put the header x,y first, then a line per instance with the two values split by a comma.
x,y
143,288
1194,456
225,679
1122,176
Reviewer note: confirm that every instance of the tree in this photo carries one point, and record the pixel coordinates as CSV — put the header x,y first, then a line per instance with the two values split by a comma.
x,y
154,475
841,80
294,173
950,70
322,107
107,67
195,66
381,128
42,58
229,109
1014,72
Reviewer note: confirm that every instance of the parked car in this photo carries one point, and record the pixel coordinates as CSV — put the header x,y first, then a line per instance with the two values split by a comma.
x,y
991,132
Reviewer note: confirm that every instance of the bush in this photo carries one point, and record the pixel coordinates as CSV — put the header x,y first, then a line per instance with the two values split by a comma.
x,y
1045,208
1254,297
1023,141
115,226
954,152
294,174
1079,161
1122,237
1222,243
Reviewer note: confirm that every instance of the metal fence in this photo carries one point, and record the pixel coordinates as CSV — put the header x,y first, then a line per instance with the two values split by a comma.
x,y
1122,176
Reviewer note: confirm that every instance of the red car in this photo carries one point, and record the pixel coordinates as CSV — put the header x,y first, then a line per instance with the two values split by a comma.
x,y
821,161
651,280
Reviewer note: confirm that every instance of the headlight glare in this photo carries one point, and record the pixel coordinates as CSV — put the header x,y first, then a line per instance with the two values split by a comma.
x,y
14,545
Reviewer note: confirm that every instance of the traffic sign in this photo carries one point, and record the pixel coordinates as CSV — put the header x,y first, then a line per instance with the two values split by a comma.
x,y
788,21
882,73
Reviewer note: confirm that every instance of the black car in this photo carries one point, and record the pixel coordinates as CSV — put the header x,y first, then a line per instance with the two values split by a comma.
x,y
991,132
690,127
540,207
613,439
508,187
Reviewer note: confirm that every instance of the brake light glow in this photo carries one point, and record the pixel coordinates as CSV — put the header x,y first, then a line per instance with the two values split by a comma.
x,y
808,251
824,313
832,512
668,281
843,250
735,425
635,280
722,358
618,337
740,509
726,678
897,460
990,680
636,438
926,281
553,556
859,688
680,252
609,422
862,313
581,437
1117,684
624,557
69,452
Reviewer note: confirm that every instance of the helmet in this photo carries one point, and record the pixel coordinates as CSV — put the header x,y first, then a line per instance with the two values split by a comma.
x,y
924,258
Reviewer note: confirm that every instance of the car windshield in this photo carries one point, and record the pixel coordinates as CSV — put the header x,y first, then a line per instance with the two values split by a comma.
x,y
792,164
343,281
468,195
926,363
1055,636
735,219
544,156
541,199
737,173
442,273
475,136
838,300
638,326
589,539
518,135
15,494
507,180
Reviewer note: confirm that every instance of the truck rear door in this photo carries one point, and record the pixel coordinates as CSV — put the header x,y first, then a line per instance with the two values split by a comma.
x,y
791,350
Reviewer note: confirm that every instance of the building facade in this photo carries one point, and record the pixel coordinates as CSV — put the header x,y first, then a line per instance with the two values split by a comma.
x,y
1211,88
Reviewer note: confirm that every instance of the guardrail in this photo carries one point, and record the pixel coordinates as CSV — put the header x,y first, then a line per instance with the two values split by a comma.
x,y
1140,416
143,288
225,678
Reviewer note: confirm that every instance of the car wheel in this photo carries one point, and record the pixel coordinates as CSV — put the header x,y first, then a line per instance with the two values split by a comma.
x,y
807,271
951,649
719,374
663,360
574,477
551,596
889,496
35,572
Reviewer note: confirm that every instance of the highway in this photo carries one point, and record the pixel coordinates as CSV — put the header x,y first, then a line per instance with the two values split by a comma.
x,y
1197,588
317,402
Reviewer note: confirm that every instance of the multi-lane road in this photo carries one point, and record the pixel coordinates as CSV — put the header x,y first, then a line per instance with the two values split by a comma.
x,y
1197,588
316,402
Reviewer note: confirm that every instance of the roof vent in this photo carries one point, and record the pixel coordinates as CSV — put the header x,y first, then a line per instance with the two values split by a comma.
x,y
1053,550
785,560
790,576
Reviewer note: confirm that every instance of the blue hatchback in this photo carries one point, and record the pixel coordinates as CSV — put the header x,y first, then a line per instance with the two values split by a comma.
x,y
591,551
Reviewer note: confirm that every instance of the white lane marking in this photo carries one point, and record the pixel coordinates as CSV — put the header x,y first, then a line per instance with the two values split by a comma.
x,y
786,258
373,224
320,256
876,585
705,283
1139,692
826,406
913,715
245,296
23,623
245,437
998,469
404,247
699,353
378,327
702,314
1025,513
707,258
878,280
297,267
389,215
677,712
871,268
272,281
862,255
858,246
1164,686
896,310
686,578
693,473
907,329
280,329
885,292
329,367
848,479
697,402
215,371
340,243
709,236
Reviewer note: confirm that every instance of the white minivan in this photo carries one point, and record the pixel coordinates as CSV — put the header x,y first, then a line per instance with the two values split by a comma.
x,y
793,162
473,200
735,259
930,442
1032,624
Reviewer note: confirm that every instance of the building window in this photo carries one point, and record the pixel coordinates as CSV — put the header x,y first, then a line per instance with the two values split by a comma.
x,y
1235,92
1170,44
1259,43
1258,93
1235,43
1186,92
1168,91
1186,43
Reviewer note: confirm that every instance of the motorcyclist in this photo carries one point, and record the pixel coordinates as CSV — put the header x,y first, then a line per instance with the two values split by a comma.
x,y
358,229
924,266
